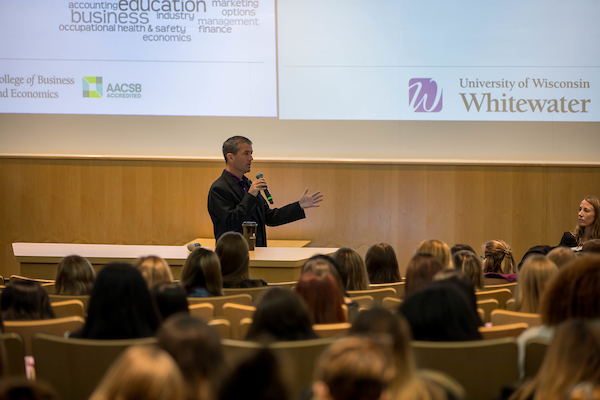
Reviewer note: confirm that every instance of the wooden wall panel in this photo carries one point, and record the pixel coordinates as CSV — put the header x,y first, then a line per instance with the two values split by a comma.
x,y
164,202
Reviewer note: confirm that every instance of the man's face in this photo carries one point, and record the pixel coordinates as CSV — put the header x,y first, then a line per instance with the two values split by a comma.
x,y
240,162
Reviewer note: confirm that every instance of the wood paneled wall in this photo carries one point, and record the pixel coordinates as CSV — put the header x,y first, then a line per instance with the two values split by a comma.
x,y
164,202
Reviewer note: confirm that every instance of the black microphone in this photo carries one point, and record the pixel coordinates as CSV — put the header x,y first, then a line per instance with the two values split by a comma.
x,y
267,193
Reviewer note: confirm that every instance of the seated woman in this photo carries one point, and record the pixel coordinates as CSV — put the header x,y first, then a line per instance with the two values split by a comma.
x,y
201,274
120,306
438,249
535,273
233,252
588,225
420,272
469,263
170,298
382,264
353,266
322,295
499,262
74,276
154,269
25,300
281,315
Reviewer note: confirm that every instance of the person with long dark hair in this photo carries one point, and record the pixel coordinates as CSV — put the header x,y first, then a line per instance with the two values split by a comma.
x,y
234,255
25,300
201,274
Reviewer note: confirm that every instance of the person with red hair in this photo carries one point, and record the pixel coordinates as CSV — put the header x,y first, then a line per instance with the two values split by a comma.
x,y
321,293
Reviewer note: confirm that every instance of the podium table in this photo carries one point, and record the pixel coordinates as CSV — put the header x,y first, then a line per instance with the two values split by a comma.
x,y
273,264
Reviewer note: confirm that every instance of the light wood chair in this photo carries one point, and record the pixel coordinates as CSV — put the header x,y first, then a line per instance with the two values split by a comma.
x,y
487,306
364,301
332,330
15,353
55,326
287,285
206,311
481,314
397,286
74,367
502,331
510,304
244,327
495,281
504,317
234,313
68,308
47,284
465,361
85,299
391,303
512,286
222,326
218,301
377,294
535,352
254,292
502,295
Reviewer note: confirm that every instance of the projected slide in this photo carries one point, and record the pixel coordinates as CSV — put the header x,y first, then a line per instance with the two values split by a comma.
x,y
141,57
514,60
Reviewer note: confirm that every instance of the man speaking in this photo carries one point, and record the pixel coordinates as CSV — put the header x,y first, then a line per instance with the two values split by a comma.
x,y
233,198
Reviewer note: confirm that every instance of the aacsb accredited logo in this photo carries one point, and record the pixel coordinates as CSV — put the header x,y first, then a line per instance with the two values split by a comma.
x,y
92,86
424,96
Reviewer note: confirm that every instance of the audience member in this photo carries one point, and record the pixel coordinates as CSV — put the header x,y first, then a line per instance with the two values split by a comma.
x,y
140,373
469,263
588,225
591,246
382,264
201,274
170,298
25,300
322,295
196,348
120,306
154,269
420,272
438,249
535,273
499,261
74,276
281,315
561,256
21,388
460,281
233,252
353,265
461,247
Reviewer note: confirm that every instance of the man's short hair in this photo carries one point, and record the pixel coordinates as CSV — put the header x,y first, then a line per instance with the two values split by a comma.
x,y
232,145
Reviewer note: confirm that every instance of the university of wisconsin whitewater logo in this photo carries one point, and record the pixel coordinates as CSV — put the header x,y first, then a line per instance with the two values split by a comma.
x,y
423,95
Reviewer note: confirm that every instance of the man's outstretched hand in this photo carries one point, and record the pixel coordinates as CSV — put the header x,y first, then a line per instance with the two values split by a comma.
x,y
310,200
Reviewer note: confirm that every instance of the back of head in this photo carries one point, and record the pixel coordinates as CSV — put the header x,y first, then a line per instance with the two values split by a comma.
x,y
120,305
142,372
438,249
420,272
234,255
196,348
281,315
21,388
592,246
202,269
440,312
574,292
154,269
354,368
25,300
170,298
461,282
535,273
461,247
74,276
470,264
349,261
382,264
499,258
322,295
323,264
561,256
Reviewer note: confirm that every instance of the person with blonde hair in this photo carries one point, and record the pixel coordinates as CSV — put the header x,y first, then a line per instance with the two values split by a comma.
x,y
535,273
142,372
75,276
499,260
561,256
588,224
154,269
468,262
353,266
201,274
438,249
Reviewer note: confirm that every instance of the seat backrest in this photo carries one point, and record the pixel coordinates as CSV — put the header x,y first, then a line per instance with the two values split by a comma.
x,y
535,352
68,308
85,299
391,303
501,284
206,311
331,330
510,304
465,361
502,295
287,285
14,278
234,313
254,292
364,301
74,367
504,317
377,294
502,331
397,286
15,353
487,305
218,301
222,326
245,327
55,326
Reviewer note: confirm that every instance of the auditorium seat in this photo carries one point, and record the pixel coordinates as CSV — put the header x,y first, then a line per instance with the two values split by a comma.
x,y
487,306
222,326
15,353
535,351
391,303
502,331
54,326
503,317
85,299
218,301
254,292
364,301
288,285
68,308
234,313
502,295
397,286
206,311
332,330
510,286
377,294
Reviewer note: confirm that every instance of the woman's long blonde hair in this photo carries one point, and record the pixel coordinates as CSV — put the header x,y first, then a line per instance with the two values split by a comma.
x,y
499,258
535,273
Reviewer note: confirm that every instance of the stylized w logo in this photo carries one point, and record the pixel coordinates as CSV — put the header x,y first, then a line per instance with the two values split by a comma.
x,y
423,95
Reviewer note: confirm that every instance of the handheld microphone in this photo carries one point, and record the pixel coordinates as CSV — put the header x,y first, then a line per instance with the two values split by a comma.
x,y
267,193
193,246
